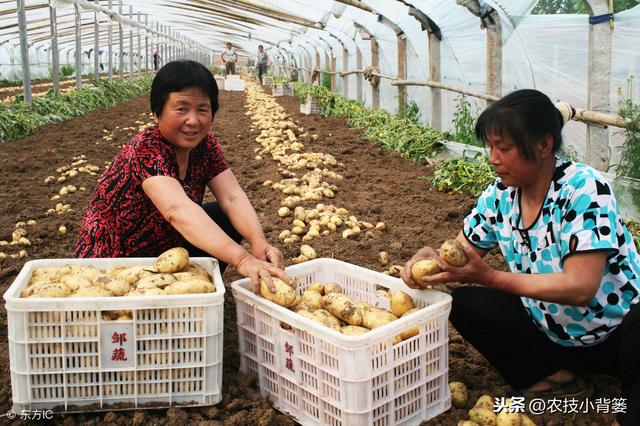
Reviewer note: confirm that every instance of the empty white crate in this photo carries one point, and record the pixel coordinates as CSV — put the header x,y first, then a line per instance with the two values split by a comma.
x,y
323,377
234,84
65,355
312,106
220,82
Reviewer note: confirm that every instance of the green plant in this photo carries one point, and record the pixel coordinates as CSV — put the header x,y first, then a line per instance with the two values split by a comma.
x,y
325,80
461,175
464,121
634,229
412,112
280,80
67,70
630,152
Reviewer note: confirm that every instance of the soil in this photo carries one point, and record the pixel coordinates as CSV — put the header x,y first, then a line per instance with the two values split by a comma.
x,y
378,185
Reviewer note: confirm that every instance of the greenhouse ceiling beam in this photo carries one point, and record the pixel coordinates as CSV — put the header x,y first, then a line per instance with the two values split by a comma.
x,y
357,4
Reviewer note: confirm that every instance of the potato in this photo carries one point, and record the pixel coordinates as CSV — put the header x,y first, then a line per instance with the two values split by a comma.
x,y
184,276
423,268
193,286
92,292
505,418
459,394
364,306
485,401
313,299
74,282
410,332
117,287
114,270
318,287
483,416
383,258
44,273
50,290
132,274
526,420
172,260
383,293
377,317
325,318
155,281
88,272
152,291
196,269
308,251
401,302
341,306
451,252
467,423
284,294
332,288
124,318
353,330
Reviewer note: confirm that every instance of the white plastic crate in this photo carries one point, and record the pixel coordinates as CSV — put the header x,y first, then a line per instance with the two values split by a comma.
x,y
279,90
64,355
234,84
312,106
323,377
220,82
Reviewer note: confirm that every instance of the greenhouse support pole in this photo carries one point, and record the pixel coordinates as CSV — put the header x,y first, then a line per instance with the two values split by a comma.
x,y
494,58
146,43
402,73
318,67
358,76
96,43
435,74
375,64
24,51
598,83
130,45
78,47
110,47
334,84
345,78
139,47
121,44
55,52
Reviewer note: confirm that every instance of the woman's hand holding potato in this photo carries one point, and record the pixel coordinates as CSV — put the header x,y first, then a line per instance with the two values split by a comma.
x,y
262,250
256,269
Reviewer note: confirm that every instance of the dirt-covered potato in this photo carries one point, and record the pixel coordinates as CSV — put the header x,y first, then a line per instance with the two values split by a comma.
x,y
153,291
184,276
114,270
196,269
341,306
313,299
505,418
401,302
117,287
74,282
332,288
383,293
485,401
88,272
526,420
308,251
155,280
467,423
132,274
451,252
192,286
423,268
50,290
325,318
353,330
318,287
459,394
376,317
410,332
483,416
172,260
92,292
284,294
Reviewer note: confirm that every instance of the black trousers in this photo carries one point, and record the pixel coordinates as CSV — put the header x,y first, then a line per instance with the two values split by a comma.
x,y
498,326
214,212
262,69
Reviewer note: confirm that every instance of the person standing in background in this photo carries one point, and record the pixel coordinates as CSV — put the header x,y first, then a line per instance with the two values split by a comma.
x,y
263,62
156,58
229,57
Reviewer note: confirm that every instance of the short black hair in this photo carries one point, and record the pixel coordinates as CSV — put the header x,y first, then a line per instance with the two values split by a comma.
x,y
259,46
179,75
527,116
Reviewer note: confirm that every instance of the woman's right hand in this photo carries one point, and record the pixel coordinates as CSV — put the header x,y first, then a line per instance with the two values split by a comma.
x,y
423,253
256,269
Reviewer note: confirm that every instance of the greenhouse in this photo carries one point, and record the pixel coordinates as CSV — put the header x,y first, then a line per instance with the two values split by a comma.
x,y
433,215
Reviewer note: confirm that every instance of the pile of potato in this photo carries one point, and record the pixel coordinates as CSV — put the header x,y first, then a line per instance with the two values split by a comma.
x,y
482,413
172,273
326,304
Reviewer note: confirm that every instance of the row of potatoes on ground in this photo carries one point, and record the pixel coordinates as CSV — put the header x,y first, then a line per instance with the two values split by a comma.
x,y
483,413
326,304
172,273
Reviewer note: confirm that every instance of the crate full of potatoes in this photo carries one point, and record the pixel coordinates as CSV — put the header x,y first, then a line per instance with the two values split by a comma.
x,y
87,334
347,346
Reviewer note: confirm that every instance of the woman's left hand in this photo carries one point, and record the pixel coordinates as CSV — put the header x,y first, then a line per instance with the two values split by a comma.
x,y
475,271
264,251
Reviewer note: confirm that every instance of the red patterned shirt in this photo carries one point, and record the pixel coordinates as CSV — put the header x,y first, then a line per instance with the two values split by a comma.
x,y
121,221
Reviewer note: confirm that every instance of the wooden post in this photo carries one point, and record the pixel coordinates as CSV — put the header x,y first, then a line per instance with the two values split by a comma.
x,y
121,44
494,58
598,84
402,74
358,76
318,67
110,47
333,72
345,67
131,45
78,46
435,75
139,56
24,52
55,52
375,63
146,43
96,43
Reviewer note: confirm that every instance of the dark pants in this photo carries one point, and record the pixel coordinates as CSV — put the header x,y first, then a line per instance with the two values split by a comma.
x,y
229,68
214,212
262,68
498,326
